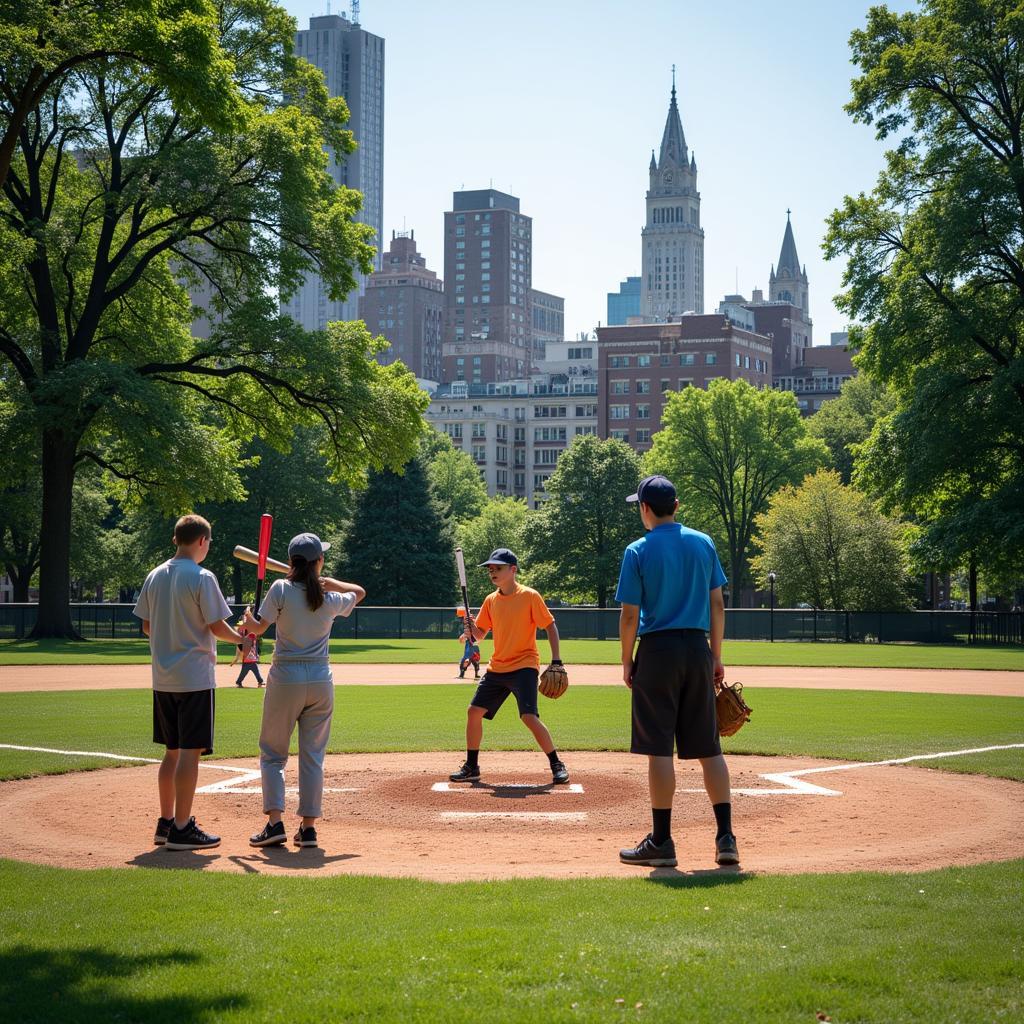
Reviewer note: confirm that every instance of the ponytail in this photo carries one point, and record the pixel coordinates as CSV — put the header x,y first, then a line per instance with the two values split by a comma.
x,y
305,574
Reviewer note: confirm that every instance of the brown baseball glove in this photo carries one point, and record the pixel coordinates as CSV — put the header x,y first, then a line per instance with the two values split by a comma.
x,y
554,680
731,709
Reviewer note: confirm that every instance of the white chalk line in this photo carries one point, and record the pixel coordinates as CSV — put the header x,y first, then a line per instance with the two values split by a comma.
x,y
547,787
791,782
233,785
514,815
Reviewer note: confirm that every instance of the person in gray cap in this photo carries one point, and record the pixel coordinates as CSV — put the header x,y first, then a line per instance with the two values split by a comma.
x,y
670,588
300,687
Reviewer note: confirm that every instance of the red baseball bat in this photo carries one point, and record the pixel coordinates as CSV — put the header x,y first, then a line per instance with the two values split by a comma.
x,y
266,529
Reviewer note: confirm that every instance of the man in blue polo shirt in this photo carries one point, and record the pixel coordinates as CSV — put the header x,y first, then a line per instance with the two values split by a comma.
x,y
670,588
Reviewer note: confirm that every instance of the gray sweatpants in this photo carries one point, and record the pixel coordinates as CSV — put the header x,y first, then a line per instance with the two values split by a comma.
x,y
311,705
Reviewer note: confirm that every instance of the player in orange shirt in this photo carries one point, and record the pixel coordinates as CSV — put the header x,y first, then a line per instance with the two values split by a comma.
x,y
514,613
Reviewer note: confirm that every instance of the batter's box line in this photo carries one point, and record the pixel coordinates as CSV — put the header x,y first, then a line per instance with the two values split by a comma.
x,y
794,785
239,784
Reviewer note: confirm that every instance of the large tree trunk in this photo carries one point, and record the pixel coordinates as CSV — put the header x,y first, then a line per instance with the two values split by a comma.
x,y
54,619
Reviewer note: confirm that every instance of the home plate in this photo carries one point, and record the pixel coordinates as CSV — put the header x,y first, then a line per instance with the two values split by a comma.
x,y
547,787
514,815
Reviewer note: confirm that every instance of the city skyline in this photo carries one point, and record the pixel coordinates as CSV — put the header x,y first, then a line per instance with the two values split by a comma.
x,y
561,106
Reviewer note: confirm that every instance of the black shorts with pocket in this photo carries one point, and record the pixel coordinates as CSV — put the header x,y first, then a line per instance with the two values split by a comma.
x,y
495,687
184,721
674,695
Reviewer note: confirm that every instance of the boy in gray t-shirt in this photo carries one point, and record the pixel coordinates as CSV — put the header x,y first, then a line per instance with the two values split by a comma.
x,y
183,613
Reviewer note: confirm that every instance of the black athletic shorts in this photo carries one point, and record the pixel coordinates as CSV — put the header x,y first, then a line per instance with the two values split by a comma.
x,y
674,695
495,687
183,721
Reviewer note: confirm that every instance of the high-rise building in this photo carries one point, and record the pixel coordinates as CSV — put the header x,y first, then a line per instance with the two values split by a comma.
x,y
488,267
352,61
672,279
624,303
548,316
404,301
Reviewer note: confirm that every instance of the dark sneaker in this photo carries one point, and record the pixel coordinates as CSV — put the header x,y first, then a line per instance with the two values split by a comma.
x,y
241,686
272,835
725,849
559,773
305,836
647,853
259,686
467,773
191,837
163,827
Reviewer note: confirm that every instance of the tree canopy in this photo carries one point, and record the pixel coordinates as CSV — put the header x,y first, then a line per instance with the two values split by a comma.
x,y
119,196
576,538
830,546
501,523
728,450
936,271
454,478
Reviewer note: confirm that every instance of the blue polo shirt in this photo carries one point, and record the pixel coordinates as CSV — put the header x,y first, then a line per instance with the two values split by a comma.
x,y
670,574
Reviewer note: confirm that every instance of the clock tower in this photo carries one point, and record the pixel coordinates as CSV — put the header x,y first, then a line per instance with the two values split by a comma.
x,y
672,280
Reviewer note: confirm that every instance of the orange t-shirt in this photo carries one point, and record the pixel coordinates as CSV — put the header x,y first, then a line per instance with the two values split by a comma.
x,y
514,619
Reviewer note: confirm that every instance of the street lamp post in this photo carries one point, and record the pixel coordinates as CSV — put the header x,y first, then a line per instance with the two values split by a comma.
x,y
771,606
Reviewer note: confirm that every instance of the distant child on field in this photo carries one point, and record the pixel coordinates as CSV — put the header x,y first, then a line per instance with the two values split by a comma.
x,y
183,613
470,656
250,655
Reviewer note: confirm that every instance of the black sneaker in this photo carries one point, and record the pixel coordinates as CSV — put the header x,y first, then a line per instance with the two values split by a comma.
x,y
467,773
647,853
272,835
559,773
725,849
240,685
305,836
191,837
163,827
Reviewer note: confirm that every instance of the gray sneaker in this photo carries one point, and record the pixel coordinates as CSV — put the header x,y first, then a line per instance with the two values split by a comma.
x,y
725,849
647,853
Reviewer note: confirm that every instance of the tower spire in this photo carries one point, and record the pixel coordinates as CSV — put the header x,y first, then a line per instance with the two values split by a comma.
x,y
673,141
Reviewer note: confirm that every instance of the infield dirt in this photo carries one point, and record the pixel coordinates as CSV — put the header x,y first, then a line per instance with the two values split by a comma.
x,y
396,815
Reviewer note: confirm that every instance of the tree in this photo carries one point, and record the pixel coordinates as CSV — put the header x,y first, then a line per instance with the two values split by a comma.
x,y
728,450
117,198
936,271
847,421
454,479
44,42
830,546
500,524
399,546
576,538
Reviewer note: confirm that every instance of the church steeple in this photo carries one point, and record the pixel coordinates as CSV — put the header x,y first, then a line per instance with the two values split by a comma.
x,y
673,141
787,281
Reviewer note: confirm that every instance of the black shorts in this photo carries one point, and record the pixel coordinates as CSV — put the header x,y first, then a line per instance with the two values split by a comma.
x,y
183,721
495,687
674,696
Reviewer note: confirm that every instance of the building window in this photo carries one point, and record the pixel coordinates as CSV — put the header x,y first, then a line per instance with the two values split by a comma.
x,y
620,387
619,435
666,384
546,456
479,453
618,362
738,360
453,430
586,410
643,360
643,435
710,358
665,359
591,431
685,382
643,387
687,359
643,412
618,412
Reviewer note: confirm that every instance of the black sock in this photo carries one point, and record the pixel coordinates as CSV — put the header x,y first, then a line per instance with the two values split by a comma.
x,y
662,817
723,818
471,757
553,757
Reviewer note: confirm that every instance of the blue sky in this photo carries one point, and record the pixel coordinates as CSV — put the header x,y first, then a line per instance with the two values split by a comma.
x,y
561,102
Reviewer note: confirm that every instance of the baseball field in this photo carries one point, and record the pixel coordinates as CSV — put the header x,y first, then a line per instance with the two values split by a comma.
x,y
879,827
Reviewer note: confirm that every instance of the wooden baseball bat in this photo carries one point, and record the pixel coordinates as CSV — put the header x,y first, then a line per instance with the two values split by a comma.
x,y
248,555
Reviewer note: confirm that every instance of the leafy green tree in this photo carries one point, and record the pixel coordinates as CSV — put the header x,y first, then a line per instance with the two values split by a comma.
x,y
728,450
117,197
847,421
576,538
936,271
500,524
830,546
399,546
44,42
455,479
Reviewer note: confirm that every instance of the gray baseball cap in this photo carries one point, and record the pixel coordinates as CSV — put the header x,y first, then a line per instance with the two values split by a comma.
x,y
308,546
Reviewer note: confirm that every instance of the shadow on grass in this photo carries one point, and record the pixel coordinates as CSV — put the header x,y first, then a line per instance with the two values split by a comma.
x,y
308,859
710,878
81,985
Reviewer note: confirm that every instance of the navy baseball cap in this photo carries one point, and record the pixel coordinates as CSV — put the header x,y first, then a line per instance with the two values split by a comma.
x,y
654,490
501,556
308,546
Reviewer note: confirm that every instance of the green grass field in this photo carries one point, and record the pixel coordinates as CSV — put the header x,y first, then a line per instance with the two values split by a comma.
x,y
579,652
937,948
